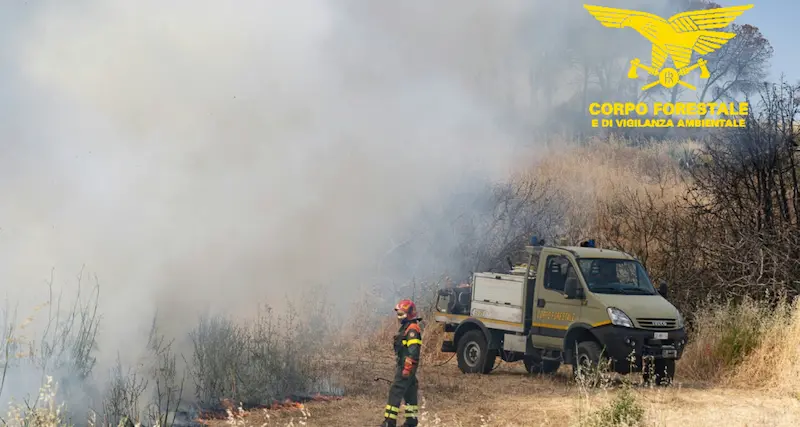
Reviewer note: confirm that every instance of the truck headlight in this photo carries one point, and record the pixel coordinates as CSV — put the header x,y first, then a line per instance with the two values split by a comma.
x,y
619,318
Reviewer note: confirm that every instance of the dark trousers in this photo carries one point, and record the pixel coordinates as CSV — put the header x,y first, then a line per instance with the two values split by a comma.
x,y
403,389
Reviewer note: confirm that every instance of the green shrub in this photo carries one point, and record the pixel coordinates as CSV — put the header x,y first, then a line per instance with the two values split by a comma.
x,y
737,339
624,410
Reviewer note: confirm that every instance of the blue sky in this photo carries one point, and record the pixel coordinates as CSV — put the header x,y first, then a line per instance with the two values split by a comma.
x,y
778,21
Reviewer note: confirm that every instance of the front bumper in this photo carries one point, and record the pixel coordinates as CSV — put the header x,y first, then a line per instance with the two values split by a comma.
x,y
627,346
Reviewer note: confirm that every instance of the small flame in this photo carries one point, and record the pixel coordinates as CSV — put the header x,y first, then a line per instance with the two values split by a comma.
x,y
232,411
286,404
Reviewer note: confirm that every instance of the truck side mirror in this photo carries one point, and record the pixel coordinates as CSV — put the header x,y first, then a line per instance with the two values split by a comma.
x,y
662,288
573,289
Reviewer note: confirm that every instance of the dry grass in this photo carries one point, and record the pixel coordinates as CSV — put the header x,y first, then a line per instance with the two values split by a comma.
x,y
510,397
604,167
604,172
507,397
44,411
748,345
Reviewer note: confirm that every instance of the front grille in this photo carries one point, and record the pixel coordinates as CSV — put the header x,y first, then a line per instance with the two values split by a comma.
x,y
654,323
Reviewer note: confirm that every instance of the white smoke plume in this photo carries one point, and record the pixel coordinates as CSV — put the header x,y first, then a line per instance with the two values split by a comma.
x,y
197,154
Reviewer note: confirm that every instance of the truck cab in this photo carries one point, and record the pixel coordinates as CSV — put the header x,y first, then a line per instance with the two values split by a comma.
x,y
577,305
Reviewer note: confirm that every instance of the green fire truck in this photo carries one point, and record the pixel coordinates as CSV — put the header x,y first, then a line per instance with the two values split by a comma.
x,y
576,305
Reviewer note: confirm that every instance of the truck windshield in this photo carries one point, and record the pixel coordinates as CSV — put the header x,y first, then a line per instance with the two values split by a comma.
x,y
615,276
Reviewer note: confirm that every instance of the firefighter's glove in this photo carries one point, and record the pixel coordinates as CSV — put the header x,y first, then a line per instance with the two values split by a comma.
x,y
409,367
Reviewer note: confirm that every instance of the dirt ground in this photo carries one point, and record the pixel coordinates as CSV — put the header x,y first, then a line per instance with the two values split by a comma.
x,y
510,397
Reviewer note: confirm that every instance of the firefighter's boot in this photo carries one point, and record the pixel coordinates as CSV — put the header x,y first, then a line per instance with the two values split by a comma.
x,y
411,412
390,416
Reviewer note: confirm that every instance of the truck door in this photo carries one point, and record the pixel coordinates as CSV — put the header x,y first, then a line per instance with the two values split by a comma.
x,y
553,313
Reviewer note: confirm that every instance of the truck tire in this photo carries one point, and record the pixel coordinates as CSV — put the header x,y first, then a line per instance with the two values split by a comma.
x,y
589,358
663,371
474,356
534,366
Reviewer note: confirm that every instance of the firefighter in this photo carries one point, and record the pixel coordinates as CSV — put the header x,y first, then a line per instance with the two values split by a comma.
x,y
407,346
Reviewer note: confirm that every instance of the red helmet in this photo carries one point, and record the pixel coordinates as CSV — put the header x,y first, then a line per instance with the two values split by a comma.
x,y
406,310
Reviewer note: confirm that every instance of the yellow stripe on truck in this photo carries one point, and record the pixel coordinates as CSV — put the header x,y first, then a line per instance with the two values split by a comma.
x,y
482,319
565,327
547,325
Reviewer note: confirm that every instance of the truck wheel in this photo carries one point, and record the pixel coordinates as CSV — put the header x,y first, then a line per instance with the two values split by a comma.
x,y
663,370
587,365
473,354
534,366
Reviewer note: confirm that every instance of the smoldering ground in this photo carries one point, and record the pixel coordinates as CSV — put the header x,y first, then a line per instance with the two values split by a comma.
x,y
201,155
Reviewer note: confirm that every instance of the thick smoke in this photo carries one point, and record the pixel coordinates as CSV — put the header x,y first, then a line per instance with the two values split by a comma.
x,y
194,153
197,154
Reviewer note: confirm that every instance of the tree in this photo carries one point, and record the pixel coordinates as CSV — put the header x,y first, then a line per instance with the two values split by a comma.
x,y
739,66
746,192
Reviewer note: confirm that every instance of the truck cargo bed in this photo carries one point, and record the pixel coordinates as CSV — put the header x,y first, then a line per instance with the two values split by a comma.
x,y
498,297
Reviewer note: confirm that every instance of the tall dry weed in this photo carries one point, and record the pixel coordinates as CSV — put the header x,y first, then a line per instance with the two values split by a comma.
x,y
746,344
603,171
775,363
43,412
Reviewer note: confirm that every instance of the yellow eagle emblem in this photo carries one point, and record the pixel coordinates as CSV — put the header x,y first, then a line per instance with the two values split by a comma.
x,y
677,37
